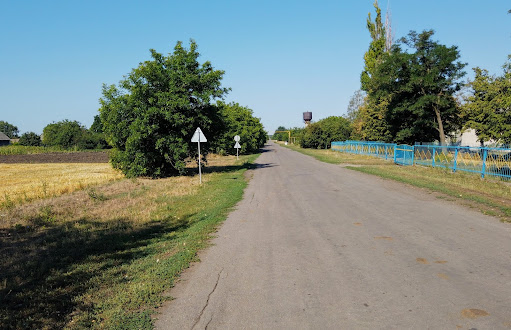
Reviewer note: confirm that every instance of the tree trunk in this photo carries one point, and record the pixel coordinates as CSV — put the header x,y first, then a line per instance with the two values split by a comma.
x,y
440,127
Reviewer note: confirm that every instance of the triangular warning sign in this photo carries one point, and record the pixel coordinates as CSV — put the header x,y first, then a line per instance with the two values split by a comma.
x,y
198,136
237,145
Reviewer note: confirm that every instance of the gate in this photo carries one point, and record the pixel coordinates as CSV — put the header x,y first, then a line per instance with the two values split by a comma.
x,y
403,154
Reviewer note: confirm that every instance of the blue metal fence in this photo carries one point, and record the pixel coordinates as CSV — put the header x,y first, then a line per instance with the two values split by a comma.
x,y
484,161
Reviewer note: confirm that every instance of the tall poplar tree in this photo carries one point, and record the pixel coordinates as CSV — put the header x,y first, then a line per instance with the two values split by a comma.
x,y
373,125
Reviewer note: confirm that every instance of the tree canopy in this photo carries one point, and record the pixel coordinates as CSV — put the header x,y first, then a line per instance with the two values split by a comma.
x,y
322,133
238,120
30,139
488,109
419,88
8,129
65,134
151,116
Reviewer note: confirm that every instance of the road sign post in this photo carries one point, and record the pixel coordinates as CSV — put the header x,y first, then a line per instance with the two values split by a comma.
x,y
237,145
199,137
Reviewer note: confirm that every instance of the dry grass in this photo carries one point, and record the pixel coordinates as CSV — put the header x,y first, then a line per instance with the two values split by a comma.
x,y
336,157
101,257
26,182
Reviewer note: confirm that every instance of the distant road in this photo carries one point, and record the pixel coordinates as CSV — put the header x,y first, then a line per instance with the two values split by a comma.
x,y
317,246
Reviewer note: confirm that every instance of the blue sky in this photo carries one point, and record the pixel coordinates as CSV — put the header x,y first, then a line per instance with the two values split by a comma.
x,y
280,58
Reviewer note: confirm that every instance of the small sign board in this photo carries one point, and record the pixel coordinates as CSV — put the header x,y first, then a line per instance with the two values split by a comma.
x,y
237,145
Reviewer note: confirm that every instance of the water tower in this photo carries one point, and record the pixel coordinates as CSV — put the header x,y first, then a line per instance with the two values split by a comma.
x,y
307,117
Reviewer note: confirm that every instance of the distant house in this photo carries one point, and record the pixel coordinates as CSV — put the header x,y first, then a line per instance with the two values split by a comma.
x,y
4,140
468,138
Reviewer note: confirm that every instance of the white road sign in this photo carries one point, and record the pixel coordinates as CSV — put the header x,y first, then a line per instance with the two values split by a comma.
x,y
237,139
198,136
237,145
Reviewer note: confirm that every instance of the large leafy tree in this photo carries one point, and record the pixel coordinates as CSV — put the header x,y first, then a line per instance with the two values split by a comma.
x,y
419,87
65,134
488,109
322,133
8,129
30,139
151,116
239,120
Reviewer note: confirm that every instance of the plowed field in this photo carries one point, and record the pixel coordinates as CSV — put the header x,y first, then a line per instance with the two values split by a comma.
x,y
56,157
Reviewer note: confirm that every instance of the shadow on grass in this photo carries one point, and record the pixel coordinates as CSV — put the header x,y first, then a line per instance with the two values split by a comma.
x,y
232,168
44,271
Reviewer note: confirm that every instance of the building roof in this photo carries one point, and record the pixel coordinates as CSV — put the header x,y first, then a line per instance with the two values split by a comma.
x,y
4,137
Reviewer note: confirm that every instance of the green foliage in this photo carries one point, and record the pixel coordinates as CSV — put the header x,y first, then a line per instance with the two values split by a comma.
x,y
322,133
150,118
281,136
65,134
97,125
371,123
30,139
419,89
238,120
488,110
373,56
71,134
8,129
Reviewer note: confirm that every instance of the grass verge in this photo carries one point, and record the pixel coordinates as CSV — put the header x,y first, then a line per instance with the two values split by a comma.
x,y
101,258
490,196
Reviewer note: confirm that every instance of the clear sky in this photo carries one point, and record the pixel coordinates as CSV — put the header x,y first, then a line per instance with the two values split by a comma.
x,y
280,58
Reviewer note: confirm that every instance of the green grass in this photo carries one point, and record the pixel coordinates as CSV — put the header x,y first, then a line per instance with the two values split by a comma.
x,y
70,268
490,196
334,157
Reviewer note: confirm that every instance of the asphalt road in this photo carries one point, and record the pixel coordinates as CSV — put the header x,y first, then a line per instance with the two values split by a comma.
x,y
317,246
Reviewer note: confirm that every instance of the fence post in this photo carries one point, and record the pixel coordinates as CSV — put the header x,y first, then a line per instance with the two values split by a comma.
x,y
455,159
485,154
434,156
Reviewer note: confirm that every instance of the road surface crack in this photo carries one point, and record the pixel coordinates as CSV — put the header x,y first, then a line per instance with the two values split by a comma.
x,y
207,301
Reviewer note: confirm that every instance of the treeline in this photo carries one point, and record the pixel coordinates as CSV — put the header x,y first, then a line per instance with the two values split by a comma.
x,y
65,134
412,91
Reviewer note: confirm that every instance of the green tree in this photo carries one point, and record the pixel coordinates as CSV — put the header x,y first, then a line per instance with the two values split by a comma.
x,y
322,133
373,56
419,87
357,100
8,129
30,139
65,134
239,120
279,135
488,109
97,126
151,117
372,123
